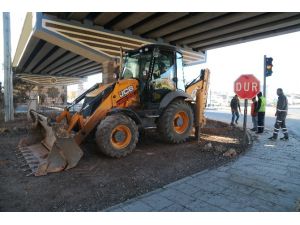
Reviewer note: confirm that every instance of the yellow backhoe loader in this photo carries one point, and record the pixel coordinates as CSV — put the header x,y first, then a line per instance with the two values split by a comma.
x,y
149,93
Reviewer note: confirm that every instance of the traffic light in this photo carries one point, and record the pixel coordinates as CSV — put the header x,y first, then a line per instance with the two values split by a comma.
x,y
269,66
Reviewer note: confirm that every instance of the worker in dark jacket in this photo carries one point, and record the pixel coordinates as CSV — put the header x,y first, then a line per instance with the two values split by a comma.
x,y
235,108
281,113
261,110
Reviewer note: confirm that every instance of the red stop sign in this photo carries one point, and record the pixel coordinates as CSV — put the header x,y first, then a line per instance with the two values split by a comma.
x,y
246,86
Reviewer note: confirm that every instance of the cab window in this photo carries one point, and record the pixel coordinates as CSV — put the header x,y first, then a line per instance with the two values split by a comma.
x,y
164,70
136,65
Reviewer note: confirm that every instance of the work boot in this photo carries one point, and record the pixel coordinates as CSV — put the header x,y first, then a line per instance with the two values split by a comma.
x,y
253,129
284,138
272,138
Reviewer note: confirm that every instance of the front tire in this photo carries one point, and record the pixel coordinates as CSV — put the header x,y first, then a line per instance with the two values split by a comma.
x,y
176,123
117,135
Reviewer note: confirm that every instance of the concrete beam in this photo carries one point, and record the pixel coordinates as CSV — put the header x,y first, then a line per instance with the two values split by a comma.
x,y
218,22
258,30
131,20
86,67
272,33
158,21
77,15
49,80
71,45
251,23
105,18
23,41
77,66
183,23
40,55
108,72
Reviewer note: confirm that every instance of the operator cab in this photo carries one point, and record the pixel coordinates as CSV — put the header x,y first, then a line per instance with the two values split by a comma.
x,y
159,69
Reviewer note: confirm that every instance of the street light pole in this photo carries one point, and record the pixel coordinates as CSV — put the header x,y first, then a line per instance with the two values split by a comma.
x,y
8,84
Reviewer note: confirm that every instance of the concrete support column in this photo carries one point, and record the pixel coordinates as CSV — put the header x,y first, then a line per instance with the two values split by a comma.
x,y
65,88
80,89
8,75
108,72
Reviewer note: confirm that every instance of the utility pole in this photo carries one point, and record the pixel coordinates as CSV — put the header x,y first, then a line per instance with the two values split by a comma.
x,y
8,84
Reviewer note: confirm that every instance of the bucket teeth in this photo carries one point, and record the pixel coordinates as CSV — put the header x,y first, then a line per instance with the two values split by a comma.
x,y
30,174
33,162
29,159
22,160
25,151
33,167
26,154
27,169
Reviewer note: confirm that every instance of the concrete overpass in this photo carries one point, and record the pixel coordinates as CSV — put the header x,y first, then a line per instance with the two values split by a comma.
x,y
60,48
78,44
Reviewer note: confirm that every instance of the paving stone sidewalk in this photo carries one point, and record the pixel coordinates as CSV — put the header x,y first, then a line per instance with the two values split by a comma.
x,y
265,178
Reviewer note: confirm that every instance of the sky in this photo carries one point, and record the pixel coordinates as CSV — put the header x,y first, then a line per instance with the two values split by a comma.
x,y
227,63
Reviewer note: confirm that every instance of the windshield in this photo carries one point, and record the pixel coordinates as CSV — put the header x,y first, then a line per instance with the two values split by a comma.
x,y
136,65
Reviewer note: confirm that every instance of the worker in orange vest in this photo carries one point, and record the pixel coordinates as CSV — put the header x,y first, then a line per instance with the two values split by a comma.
x,y
254,114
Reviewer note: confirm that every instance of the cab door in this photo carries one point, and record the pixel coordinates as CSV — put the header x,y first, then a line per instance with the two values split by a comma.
x,y
163,79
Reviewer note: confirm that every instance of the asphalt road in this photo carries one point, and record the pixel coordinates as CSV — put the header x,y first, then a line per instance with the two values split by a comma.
x,y
292,121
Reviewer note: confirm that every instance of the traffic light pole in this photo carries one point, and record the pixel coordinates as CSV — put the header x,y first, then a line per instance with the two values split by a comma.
x,y
265,80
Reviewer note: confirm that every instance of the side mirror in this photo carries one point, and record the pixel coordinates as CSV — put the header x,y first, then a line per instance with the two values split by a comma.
x,y
175,79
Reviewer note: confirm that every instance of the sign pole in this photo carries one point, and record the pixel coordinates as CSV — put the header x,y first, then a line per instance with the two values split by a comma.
x,y
245,115
265,80
245,121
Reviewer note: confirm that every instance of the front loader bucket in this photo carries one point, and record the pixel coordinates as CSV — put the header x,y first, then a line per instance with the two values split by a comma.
x,y
48,148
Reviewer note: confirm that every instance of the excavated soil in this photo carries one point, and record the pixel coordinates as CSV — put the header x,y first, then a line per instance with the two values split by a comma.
x,y
99,182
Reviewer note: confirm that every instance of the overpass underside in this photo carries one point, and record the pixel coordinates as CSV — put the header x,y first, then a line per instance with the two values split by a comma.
x,y
52,51
64,46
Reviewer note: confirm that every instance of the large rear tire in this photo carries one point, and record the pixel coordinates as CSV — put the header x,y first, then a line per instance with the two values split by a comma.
x,y
176,123
116,135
